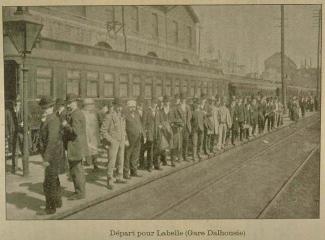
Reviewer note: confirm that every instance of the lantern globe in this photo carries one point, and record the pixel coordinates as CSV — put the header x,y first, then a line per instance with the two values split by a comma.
x,y
23,30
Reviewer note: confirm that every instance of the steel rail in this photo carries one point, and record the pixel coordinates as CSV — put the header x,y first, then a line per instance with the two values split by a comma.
x,y
244,164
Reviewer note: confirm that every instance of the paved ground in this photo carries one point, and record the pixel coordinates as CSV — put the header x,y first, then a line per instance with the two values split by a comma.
x,y
300,199
25,198
236,184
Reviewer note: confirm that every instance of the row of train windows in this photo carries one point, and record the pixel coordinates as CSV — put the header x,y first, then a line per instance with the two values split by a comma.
x,y
44,85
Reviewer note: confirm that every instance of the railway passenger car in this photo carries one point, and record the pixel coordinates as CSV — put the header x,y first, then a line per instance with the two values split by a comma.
x,y
58,68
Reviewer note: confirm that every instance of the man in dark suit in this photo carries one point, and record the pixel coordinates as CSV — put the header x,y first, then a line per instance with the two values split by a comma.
x,y
14,126
185,115
77,149
206,106
52,151
234,117
151,133
253,115
197,124
142,109
241,115
134,131
166,135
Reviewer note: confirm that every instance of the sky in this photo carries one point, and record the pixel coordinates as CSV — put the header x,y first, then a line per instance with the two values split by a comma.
x,y
252,32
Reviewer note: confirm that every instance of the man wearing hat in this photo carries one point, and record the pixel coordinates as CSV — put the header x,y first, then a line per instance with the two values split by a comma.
x,y
77,148
151,118
166,132
225,122
113,135
184,114
92,131
197,124
18,129
134,132
141,110
52,152
206,106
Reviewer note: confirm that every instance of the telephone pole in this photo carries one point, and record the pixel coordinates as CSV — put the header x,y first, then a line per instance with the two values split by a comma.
x,y
283,76
319,59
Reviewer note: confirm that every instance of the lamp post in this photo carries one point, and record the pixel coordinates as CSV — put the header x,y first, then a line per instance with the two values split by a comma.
x,y
23,29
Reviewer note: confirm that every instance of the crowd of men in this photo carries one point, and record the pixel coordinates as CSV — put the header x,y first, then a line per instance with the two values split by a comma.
x,y
146,134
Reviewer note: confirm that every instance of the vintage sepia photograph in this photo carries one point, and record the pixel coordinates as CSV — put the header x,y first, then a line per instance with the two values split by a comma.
x,y
162,112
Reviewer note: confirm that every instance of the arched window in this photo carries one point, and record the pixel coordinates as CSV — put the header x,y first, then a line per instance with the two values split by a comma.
x,y
185,60
152,54
103,45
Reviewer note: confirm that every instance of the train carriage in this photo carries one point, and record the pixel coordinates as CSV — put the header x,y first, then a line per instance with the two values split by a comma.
x,y
56,68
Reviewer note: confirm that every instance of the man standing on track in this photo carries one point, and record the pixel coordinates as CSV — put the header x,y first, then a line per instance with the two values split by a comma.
x,y
77,149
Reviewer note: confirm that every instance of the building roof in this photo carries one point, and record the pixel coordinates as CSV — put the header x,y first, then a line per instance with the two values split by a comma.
x,y
189,9
276,59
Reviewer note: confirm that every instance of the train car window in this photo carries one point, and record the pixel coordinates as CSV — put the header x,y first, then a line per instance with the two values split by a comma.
x,y
192,88
43,82
177,87
136,86
92,84
184,86
205,87
159,88
73,82
123,85
168,87
108,85
148,88
198,89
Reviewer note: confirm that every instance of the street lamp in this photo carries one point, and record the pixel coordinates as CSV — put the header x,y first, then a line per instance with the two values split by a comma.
x,y
23,29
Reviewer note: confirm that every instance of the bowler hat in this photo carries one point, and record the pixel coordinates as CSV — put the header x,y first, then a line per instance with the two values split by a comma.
x,y
203,95
59,102
71,97
196,100
109,104
165,98
182,95
46,102
117,102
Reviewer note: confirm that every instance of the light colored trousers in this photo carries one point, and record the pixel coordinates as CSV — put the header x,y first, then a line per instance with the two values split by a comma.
x,y
222,134
115,155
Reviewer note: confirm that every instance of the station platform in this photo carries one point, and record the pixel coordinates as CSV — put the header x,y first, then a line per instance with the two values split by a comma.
x,y
25,199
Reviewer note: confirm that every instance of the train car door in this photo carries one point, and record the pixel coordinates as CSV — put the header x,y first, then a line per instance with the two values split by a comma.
x,y
10,80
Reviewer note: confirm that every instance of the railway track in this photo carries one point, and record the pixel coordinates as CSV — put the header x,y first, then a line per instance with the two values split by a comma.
x,y
243,165
279,140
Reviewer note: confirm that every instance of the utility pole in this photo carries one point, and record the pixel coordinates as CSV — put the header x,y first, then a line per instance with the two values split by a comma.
x,y
283,76
319,59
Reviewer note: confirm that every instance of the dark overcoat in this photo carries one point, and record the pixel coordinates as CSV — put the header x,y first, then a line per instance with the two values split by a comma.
x,y
151,122
51,143
185,116
197,120
75,134
134,128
